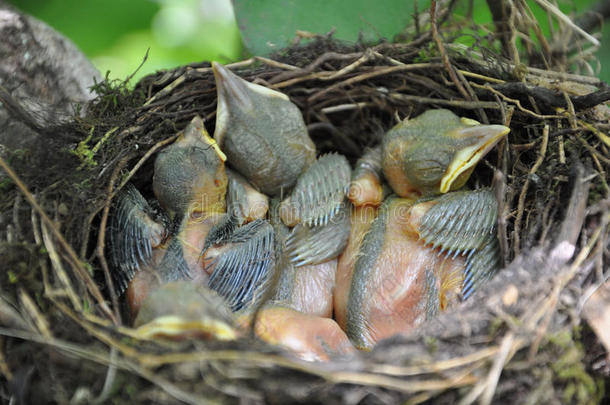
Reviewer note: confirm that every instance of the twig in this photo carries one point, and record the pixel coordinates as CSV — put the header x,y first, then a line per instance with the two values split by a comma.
x,y
260,359
443,53
472,95
109,380
521,203
473,105
369,75
602,137
86,353
499,188
534,75
314,65
566,20
101,239
438,366
563,278
75,262
274,63
368,55
5,370
515,102
575,212
346,107
183,77
27,303
496,369
480,77
59,270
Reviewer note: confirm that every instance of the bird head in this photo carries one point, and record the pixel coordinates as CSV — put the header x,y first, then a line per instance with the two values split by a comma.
x,y
190,176
183,309
261,131
436,152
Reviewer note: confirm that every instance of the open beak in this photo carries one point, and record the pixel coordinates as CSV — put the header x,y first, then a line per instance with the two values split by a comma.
x,y
478,141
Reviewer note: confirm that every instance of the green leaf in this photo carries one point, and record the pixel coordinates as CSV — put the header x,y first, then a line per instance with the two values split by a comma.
x,y
270,25
92,25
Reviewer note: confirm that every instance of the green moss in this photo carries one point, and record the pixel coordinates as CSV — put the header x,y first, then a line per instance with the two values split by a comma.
x,y
131,390
431,344
88,267
569,370
495,325
6,184
84,153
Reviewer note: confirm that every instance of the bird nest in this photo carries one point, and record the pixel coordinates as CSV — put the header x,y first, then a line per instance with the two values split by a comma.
x,y
521,338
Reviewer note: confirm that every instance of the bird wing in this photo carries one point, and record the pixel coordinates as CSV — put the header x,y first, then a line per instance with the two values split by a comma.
x,y
464,223
236,199
321,190
369,162
134,229
222,231
480,267
173,266
241,273
317,244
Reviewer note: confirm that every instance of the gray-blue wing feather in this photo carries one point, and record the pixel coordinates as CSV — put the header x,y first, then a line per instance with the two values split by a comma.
x,y
241,273
134,229
317,244
464,223
321,190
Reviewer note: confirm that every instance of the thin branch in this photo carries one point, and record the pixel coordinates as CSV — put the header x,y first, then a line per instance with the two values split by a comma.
x,y
74,260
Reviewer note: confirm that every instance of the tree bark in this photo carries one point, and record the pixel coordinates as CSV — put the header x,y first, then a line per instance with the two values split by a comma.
x,y
42,72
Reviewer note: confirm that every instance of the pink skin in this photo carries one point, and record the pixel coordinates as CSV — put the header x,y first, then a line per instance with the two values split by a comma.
x,y
366,190
397,288
309,337
313,289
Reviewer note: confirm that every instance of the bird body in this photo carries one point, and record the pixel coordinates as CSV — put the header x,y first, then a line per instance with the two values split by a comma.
x,y
190,183
435,153
361,218
308,289
398,281
248,203
430,249
367,186
309,337
189,176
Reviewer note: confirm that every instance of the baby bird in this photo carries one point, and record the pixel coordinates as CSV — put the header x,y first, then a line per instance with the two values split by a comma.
x,y
265,139
190,184
149,248
429,249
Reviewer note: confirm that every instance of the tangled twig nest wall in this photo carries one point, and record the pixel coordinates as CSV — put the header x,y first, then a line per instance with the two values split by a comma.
x,y
522,338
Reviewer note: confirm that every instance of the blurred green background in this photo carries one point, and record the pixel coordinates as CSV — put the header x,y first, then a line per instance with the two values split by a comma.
x,y
115,34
